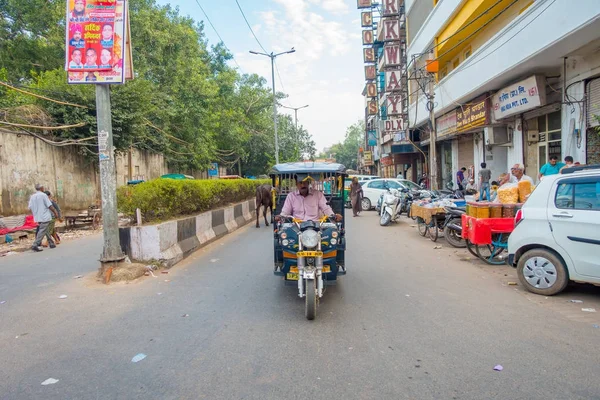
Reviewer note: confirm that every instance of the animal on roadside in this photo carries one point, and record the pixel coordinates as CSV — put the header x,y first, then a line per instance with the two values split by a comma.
x,y
265,199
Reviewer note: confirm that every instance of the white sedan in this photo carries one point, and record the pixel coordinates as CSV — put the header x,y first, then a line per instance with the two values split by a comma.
x,y
372,190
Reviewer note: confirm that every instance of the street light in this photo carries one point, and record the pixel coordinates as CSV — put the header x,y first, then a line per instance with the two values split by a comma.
x,y
295,112
272,57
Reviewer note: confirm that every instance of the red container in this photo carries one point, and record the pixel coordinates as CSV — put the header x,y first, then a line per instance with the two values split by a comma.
x,y
479,231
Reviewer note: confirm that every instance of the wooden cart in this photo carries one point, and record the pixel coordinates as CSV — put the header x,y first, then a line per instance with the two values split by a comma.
x,y
430,220
487,238
91,216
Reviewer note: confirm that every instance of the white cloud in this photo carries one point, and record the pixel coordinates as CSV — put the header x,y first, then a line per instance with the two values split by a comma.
x,y
324,72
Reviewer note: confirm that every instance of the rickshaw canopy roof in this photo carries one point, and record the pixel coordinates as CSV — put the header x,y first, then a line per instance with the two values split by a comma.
x,y
308,168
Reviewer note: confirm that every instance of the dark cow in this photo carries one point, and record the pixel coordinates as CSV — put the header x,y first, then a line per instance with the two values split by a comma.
x,y
264,198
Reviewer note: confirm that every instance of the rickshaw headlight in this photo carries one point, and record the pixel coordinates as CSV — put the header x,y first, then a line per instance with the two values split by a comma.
x,y
334,234
285,242
333,242
283,235
310,238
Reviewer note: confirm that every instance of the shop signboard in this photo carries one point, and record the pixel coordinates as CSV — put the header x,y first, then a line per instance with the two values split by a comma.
x,y
393,104
393,81
519,97
96,42
372,138
393,124
369,55
368,158
390,8
446,124
474,114
387,160
373,107
366,18
367,37
364,4
391,30
370,72
391,55
371,90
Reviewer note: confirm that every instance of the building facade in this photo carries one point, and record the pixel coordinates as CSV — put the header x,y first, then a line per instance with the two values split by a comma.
x,y
516,81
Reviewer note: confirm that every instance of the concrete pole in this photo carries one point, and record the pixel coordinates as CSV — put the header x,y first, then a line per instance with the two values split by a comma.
x,y
433,137
274,109
111,252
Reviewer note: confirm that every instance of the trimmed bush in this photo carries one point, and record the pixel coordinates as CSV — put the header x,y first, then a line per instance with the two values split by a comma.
x,y
162,199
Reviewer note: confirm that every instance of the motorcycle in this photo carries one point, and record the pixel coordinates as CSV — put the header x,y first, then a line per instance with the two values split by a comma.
x,y
391,207
453,227
312,241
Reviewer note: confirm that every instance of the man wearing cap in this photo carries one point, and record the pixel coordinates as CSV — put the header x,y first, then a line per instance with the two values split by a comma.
x,y
518,174
42,210
306,203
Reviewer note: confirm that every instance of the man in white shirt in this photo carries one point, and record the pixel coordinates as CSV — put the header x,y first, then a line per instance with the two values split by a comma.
x,y
42,210
518,174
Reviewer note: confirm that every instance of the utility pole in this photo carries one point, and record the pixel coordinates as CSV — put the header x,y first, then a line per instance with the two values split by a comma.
x,y
295,112
433,136
273,56
111,252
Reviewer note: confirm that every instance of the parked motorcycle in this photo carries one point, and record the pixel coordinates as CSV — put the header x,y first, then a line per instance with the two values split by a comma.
x,y
391,207
453,227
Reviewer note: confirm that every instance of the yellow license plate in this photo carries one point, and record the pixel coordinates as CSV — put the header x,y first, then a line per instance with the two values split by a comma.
x,y
292,276
326,268
310,254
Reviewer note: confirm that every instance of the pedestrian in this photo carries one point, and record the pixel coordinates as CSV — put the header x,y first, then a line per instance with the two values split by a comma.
x,y
518,174
484,181
471,188
356,194
42,209
494,190
51,228
568,163
551,168
460,178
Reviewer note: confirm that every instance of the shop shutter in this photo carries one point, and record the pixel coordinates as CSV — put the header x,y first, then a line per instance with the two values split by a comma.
x,y
466,149
593,108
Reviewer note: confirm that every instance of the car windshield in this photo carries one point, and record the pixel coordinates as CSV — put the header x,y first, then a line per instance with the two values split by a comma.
x,y
410,185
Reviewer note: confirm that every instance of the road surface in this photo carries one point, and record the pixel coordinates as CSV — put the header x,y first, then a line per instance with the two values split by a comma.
x,y
407,322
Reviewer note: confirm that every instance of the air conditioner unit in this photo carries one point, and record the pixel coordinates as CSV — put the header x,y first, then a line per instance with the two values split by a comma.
x,y
498,135
533,136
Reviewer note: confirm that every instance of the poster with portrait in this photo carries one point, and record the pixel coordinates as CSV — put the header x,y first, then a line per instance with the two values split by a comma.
x,y
95,41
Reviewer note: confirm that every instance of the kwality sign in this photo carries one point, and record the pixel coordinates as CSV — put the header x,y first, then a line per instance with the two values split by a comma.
x,y
519,97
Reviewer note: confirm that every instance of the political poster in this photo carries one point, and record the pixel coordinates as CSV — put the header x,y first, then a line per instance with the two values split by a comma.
x,y
95,41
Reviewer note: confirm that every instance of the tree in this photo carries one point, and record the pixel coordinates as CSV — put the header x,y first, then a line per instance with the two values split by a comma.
x,y
346,152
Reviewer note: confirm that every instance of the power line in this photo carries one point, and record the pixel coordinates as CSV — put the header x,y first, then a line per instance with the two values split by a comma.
x,y
219,36
279,76
251,30
458,31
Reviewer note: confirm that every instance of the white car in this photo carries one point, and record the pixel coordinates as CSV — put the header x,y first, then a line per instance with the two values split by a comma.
x,y
557,233
374,188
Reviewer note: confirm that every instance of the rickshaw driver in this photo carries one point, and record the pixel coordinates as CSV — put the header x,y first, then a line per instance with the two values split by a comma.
x,y
305,203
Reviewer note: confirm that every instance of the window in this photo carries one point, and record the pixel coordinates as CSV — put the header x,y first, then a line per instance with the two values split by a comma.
x,y
376,185
549,127
393,185
580,195
443,73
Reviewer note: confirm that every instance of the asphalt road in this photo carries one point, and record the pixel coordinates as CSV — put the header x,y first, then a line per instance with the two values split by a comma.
x,y
407,322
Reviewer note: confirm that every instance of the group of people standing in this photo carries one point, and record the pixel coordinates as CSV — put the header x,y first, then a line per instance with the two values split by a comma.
x,y
45,213
487,190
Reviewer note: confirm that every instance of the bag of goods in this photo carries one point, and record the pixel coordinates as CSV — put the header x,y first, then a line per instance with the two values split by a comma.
x,y
508,193
524,190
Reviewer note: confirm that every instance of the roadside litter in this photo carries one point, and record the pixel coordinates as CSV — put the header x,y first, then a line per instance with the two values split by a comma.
x,y
50,381
588,309
498,367
138,357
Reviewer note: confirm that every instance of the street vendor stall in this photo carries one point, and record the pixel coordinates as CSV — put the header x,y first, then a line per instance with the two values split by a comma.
x,y
430,216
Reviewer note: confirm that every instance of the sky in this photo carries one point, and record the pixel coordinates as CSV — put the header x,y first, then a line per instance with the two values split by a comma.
x,y
325,72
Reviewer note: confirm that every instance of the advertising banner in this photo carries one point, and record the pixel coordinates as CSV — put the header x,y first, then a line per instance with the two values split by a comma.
x,y
368,158
372,138
95,41
474,114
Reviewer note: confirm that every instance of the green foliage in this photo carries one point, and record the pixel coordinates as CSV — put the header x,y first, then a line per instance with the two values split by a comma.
x,y
346,152
185,101
162,199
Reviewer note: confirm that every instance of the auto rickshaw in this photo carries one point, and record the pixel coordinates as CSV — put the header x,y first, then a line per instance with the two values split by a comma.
x,y
309,254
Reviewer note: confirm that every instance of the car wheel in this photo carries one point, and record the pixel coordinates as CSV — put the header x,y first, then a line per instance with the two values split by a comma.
x,y
365,204
542,272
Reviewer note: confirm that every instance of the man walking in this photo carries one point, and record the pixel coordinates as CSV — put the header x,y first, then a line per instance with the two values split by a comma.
x,y
484,181
42,211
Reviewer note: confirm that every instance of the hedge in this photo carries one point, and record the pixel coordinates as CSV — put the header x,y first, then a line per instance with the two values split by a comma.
x,y
163,199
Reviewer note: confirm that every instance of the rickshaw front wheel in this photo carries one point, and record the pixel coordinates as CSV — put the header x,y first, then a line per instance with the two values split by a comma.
x,y
310,305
